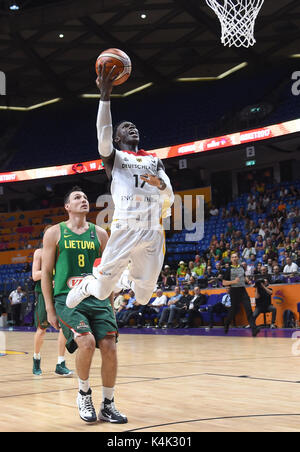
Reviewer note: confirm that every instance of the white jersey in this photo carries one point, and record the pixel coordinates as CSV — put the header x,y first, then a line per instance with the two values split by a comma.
x,y
135,200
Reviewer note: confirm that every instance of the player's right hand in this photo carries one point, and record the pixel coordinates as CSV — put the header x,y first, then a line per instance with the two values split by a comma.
x,y
105,80
52,319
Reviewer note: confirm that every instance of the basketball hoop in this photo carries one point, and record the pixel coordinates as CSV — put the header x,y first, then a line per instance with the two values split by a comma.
x,y
237,18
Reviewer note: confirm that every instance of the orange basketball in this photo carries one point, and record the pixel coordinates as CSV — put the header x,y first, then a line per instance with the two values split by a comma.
x,y
118,58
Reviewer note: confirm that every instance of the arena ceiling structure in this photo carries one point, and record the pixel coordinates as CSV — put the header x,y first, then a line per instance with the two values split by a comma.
x,y
48,48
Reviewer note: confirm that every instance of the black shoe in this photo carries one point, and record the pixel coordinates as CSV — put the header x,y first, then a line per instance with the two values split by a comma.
x,y
226,328
109,413
159,326
255,331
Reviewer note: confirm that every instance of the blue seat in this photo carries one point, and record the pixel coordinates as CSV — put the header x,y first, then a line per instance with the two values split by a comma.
x,y
211,301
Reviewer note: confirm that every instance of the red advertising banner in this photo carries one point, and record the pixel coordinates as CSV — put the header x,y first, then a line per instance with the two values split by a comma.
x,y
194,147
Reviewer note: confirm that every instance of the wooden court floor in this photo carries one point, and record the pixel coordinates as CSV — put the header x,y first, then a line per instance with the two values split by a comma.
x,y
165,384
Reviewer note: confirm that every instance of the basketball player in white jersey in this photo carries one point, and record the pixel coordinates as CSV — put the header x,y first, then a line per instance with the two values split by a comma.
x,y
142,196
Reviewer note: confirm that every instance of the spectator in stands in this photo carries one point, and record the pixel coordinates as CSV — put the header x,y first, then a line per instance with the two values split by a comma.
x,y
220,308
270,248
248,250
129,308
227,253
277,277
209,276
293,228
292,213
293,237
259,244
264,273
119,301
120,311
281,207
214,212
159,302
287,244
257,270
263,300
291,267
198,299
251,266
15,299
251,205
171,281
165,273
199,268
182,308
270,266
191,266
181,272
177,306
230,229
187,278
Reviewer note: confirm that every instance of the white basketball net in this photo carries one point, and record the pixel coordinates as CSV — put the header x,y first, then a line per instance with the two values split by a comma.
x,y
237,18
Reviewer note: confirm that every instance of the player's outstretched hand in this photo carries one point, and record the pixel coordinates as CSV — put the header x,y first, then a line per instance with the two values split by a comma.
x,y
105,80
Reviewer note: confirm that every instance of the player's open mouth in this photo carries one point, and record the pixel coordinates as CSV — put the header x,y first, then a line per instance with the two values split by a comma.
x,y
133,132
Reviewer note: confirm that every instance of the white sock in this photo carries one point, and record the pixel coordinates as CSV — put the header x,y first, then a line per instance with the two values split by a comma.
x,y
84,385
37,356
108,393
60,359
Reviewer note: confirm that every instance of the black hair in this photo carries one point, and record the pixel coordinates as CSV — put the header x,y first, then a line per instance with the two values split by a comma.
x,y
67,196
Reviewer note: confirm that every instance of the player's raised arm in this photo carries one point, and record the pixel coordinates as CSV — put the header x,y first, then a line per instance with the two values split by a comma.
x,y
104,121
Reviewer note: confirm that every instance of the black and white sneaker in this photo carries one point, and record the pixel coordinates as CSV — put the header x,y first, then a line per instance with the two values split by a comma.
x,y
109,413
85,406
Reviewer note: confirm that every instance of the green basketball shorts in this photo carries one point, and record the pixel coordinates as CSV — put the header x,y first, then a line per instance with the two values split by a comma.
x,y
91,316
40,313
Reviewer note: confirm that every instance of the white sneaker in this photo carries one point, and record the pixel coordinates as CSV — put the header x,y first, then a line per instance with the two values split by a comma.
x,y
79,292
85,406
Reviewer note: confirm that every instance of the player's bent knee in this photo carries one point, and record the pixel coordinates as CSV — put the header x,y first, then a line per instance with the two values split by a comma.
x,y
108,343
86,342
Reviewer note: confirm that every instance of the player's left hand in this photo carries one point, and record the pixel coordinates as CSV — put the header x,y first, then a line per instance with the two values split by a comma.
x,y
151,179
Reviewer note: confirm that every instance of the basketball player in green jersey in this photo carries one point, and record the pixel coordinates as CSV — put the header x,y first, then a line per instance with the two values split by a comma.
x,y
41,322
70,249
